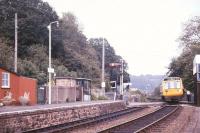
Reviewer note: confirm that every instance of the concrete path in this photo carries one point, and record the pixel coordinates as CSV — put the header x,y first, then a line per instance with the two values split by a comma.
x,y
194,124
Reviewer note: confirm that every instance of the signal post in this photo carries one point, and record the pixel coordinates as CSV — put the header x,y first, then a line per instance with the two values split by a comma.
x,y
119,65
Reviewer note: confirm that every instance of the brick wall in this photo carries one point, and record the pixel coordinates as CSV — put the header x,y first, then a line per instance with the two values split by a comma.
x,y
24,121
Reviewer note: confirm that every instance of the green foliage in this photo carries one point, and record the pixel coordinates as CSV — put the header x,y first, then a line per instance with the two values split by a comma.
x,y
156,91
182,66
6,55
93,97
33,18
143,97
72,54
27,67
110,57
102,98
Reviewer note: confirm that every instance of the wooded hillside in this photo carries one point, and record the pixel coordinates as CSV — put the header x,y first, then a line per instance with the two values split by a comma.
x,y
73,54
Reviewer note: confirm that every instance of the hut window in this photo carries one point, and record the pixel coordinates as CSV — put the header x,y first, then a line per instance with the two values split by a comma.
x,y
5,80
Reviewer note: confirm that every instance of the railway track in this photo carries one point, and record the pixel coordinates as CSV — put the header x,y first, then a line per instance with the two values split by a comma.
x,y
69,126
142,123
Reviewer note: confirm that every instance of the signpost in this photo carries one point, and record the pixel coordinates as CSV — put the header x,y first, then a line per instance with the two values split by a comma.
x,y
113,84
114,64
120,65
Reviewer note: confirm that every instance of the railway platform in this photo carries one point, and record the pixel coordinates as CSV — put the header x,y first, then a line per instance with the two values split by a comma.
x,y
21,109
25,118
193,125
39,107
140,104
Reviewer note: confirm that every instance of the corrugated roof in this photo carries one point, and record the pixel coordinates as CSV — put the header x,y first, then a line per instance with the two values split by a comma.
x,y
72,78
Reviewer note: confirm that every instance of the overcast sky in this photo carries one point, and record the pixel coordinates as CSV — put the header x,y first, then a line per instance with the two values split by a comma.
x,y
143,32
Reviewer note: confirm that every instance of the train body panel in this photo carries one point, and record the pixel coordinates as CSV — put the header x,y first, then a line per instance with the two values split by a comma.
x,y
173,92
172,88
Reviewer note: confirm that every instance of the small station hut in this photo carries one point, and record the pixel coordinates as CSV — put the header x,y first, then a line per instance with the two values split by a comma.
x,y
69,89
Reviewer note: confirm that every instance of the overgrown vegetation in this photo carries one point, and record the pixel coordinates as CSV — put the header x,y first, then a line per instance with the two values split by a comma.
x,y
72,53
182,66
139,95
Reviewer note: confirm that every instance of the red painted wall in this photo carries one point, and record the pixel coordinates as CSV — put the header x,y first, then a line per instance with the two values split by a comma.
x,y
28,85
14,85
18,85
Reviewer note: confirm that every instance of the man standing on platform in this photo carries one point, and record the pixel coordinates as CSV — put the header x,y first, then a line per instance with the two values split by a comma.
x,y
188,95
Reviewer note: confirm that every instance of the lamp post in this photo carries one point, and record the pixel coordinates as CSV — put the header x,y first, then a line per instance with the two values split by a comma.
x,y
50,69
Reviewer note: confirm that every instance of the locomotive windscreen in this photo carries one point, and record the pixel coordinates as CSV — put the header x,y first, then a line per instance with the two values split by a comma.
x,y
172,84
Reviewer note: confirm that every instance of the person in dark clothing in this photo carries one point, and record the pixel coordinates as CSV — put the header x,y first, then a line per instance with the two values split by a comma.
x,y
188,95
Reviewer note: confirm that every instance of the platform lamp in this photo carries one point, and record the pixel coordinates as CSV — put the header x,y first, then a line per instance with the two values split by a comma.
x,y
50,69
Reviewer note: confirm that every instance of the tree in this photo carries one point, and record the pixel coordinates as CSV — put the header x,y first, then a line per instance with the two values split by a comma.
x,y
72,54
33,18
79,57
6,55
182,66
191,33
110,57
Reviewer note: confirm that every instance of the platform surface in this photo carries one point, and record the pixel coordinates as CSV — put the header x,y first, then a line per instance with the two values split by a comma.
x,y
12,109
145,104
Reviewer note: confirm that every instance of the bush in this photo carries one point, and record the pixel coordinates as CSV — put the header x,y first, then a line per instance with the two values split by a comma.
x,y
102,98
93,97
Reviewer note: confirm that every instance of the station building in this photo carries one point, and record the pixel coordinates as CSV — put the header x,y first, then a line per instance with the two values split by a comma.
x,y
66,89
17,85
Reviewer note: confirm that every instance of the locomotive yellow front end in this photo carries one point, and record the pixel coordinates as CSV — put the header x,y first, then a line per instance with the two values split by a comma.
x,y
172,88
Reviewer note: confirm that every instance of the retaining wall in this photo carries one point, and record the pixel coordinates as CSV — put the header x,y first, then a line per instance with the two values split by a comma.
x,y
19,121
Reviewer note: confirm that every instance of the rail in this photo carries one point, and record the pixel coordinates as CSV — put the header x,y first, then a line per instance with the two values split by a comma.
x,y
140,124
71,125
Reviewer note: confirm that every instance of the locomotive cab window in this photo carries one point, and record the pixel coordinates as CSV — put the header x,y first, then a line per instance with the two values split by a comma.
x,y
178,84
165,85
172,85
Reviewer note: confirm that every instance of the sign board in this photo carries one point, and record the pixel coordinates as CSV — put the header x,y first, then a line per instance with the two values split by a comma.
x,y
113,84
114,64
103,84
41,88
50,70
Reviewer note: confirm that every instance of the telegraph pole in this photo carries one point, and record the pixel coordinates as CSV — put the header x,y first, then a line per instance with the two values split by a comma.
x,y
103,67
122,77
15,58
